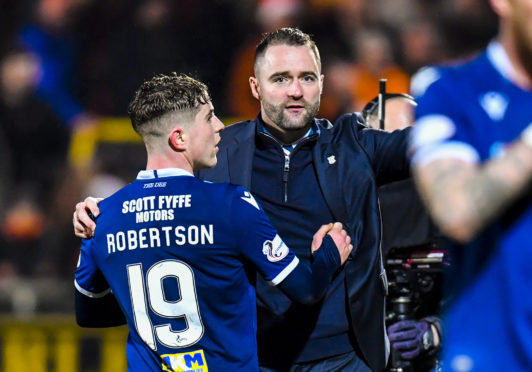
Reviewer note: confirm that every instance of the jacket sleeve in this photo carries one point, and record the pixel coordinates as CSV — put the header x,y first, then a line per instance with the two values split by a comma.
x,y
387,152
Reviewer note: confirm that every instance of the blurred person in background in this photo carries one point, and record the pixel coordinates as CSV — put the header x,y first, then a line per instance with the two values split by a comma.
x,y
334,24
472,161
465,26
375,61
353,83
12,15
132,40
304,171
51,36
36,144
421,43
139,38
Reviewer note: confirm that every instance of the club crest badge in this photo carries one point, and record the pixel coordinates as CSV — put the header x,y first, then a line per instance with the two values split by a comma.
x,y
274,250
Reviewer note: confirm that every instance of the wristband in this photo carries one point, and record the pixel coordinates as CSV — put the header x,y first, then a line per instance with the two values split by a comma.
x,y
526,136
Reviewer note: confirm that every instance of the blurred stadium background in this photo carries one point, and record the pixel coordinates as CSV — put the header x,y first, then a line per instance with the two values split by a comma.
x,y
67,71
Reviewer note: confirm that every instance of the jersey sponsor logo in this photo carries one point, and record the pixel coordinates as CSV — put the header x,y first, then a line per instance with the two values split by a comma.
x,y
275,250
151,208
250,199
494,104
193,361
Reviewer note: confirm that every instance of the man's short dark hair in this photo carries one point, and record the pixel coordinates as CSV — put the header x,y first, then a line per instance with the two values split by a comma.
x,y
164,94
285,36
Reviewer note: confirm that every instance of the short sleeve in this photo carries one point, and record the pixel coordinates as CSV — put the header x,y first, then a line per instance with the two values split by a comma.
x,y
89,280
440,129
257,239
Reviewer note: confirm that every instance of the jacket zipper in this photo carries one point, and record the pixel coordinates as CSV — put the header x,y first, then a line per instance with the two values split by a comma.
x,y
285,174
286,168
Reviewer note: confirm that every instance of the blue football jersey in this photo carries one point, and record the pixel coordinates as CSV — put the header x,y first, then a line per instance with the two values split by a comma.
x,y
176,253
474,112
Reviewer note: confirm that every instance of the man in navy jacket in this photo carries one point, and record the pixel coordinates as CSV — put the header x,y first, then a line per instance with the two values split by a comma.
x,y
303,171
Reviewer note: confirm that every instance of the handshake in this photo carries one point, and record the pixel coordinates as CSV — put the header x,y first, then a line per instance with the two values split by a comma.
x,y
338,235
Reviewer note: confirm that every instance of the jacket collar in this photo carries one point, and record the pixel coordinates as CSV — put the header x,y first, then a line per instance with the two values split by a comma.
x,y
313,130
241,154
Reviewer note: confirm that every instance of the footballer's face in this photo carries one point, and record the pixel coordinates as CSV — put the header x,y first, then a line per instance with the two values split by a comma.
x,y
288,84
204,135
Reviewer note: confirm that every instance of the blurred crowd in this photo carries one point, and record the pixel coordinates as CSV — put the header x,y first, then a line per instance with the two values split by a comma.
x,y
66,64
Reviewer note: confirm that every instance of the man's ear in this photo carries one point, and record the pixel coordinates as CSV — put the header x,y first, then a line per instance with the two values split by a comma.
x,y
321,83
178,139
254,85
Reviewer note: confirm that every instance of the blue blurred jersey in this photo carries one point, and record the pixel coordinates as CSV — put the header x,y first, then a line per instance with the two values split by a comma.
x,y
176,253
473,112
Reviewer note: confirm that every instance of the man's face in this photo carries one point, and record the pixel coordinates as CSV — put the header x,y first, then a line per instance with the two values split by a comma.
x,y
203,137
521,20
288,85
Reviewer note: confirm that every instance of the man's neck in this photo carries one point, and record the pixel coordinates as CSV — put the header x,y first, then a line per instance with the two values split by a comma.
x,y
161,162
286,137
520,75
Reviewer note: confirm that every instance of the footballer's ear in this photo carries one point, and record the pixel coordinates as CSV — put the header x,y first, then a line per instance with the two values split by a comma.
x,y
254,85
178,139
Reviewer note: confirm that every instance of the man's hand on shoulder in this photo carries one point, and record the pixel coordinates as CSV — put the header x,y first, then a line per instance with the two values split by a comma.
x,y
338,235
84,225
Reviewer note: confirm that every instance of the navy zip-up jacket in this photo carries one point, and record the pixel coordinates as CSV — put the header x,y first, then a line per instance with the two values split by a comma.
x,y
351,161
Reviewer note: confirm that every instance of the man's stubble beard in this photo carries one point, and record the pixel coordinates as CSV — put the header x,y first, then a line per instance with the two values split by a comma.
x,y
277,114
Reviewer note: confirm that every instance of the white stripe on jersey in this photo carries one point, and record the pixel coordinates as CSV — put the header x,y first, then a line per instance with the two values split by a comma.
x,y
89,293
430,141
286,271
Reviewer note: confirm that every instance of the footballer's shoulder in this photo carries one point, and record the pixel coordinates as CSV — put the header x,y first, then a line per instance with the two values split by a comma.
x,y
452,73
229,192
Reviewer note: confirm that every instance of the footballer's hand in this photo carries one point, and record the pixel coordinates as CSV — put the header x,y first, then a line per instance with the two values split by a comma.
x,y
84,225
338,235
342,241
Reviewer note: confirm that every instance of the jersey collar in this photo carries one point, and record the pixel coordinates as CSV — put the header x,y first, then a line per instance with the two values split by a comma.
x,y
499,59
165,172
